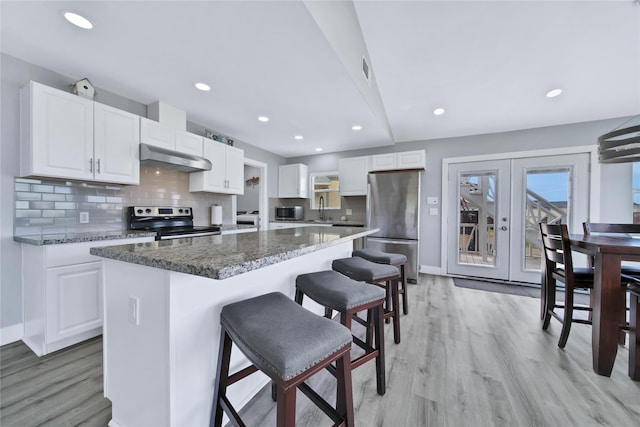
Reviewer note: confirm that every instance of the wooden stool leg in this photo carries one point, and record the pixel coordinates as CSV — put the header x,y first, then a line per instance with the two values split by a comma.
x,y
222,375
405,296
568,316
286,406
344,394
395,299
634,339
379,340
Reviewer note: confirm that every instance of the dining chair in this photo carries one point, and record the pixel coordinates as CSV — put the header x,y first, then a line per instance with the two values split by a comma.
x,y
558,266
613,229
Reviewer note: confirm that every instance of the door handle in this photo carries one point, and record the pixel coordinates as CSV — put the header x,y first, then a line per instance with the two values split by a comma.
x,y
504,228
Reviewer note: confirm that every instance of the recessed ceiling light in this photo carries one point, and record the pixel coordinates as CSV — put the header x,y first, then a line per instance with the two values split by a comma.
x,y
318,149
203,87
553,93
263,119
298,137
438,111
356,127
78,21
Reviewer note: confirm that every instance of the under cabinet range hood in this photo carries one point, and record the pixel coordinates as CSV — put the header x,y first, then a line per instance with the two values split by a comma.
x,y
159,157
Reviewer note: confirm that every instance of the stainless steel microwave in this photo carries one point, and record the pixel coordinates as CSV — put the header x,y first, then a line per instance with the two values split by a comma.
x,y
291,213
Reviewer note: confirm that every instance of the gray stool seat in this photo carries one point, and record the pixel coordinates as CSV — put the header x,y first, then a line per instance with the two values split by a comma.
x,y
362,270
287,338
336,291
380,257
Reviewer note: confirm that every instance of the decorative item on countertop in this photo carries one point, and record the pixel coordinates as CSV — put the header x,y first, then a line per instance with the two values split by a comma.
x,y
253,181
216,215
84,88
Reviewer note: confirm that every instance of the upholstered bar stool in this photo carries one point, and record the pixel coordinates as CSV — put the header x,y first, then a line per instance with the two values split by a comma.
x,y
397,260
337,292
289,344
382,275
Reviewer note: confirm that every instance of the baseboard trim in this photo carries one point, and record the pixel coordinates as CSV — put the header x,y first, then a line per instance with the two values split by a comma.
x,y
429,269
12,333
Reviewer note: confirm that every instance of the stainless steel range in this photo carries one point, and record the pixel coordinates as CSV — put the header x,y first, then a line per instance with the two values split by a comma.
x,y
167,222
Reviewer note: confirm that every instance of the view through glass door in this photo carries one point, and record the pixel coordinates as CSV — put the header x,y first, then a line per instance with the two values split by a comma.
x,y
498,206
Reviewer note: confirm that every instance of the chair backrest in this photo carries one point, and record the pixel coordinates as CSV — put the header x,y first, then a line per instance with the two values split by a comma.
x,y
557,249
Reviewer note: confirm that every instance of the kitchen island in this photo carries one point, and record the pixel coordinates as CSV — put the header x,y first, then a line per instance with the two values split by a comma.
x,y
162,303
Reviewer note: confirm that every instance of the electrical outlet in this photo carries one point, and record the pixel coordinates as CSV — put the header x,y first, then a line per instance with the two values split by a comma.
x,y
433,211
84,217
349,212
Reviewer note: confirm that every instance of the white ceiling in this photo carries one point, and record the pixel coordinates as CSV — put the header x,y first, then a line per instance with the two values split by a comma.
x,y
488,63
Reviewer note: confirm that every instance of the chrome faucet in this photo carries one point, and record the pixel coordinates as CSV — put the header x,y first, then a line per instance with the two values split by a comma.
x,y
321,208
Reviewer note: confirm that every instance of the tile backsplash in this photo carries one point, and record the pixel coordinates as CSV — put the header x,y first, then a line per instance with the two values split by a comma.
x,y
47,205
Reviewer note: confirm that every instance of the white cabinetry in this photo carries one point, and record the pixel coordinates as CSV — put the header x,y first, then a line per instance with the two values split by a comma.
x,y
154,133
227,171
353,174
67,136
293,181
63,288
394,161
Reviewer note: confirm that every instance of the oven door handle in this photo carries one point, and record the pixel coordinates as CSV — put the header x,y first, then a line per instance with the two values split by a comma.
x,y
184,236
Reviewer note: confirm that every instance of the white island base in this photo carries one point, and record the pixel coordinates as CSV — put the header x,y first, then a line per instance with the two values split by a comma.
x,y
162,332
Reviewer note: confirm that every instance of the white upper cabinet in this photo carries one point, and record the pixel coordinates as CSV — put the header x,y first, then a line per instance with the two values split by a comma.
x,y
227,171
159,135
395,161
62,137
116,146
190,143
353,174
56,133
293,181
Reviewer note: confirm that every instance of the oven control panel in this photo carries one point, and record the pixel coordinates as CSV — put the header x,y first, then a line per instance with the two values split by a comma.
x,y
159,211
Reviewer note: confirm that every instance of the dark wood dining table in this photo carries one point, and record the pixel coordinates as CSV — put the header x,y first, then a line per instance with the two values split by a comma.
x,y
608,295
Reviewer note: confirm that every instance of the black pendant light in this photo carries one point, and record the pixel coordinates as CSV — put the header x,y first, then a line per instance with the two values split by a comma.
x,y
621,145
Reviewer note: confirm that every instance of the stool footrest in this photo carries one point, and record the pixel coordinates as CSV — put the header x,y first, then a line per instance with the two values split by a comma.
x,y
319,402
244,373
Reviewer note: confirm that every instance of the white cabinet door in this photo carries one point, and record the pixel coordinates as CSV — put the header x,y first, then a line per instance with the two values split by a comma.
x,y
188,143
116,145
411,159
73,300
56,133
353,174
396,161
380,162
293,181
153,133
234,170
227,172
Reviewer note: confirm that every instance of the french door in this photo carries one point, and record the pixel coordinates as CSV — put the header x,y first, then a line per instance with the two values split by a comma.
x,y
495,207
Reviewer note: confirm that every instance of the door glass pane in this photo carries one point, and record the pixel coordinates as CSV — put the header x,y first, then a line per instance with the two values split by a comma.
x,y
477,218
547,201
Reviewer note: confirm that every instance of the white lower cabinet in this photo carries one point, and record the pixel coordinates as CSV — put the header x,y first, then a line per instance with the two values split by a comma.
x,y
63,293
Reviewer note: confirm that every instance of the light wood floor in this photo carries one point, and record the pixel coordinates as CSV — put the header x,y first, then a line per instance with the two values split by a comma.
x,y
467,358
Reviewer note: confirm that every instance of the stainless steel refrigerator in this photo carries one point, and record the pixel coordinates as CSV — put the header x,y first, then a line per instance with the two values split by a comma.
x,y
393,206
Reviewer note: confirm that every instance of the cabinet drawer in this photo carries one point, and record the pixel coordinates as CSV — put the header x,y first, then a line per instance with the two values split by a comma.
x,y
78,253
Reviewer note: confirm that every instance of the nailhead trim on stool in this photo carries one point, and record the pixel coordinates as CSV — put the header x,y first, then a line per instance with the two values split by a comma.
x,y
397,260
289,344
337,292
383,275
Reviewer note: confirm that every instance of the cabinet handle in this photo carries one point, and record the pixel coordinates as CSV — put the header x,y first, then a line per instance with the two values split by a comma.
x,y
98,166
91,165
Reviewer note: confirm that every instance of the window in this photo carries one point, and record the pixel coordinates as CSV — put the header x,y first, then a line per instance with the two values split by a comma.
x,y
325,185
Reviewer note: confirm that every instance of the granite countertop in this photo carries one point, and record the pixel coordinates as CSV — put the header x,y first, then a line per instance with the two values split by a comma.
x,y
56,239
223,256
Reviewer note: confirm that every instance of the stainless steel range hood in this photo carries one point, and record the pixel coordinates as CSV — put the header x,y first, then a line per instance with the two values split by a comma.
x,y
162,158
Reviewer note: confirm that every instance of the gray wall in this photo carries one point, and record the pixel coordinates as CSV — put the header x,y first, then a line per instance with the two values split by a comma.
x,y
614,205
14,74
